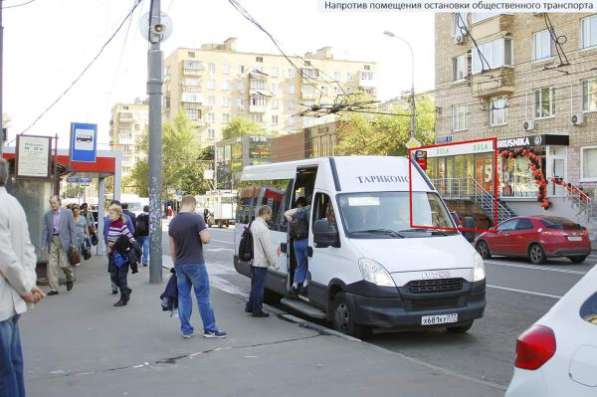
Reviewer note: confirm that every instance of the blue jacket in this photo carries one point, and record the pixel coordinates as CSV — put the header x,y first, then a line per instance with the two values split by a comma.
x,y
127,220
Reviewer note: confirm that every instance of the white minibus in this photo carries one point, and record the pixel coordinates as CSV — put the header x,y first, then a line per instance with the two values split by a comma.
x,y
368,268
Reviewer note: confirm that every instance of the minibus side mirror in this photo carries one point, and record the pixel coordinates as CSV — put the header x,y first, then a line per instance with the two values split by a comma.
x,y
325,235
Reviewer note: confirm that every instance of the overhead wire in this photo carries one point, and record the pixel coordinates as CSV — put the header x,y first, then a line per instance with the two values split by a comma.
x,y
18,5
86,68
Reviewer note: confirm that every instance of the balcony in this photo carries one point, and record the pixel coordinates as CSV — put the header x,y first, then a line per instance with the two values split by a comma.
x,y
258,102
192,68
192,97
493,25
498,81
125,117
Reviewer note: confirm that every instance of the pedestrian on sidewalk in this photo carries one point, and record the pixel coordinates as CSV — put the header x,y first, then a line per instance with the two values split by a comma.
x,y
120,242
130,214
264,255
188,233
298,228
17,287
81,231
59,236
91,230
142,234
107,222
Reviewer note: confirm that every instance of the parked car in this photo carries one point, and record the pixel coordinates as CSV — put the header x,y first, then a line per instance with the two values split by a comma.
x,y
536,238
557,356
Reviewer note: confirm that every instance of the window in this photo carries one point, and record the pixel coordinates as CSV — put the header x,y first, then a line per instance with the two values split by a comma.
x,y
225,117
545,105
524,224
459,67
507,226
274,88
259,59
258,84
588,160
211,118
225,102
459,117
588,311
291,88
212,68
589,95
211,134
226,69
275,119
588,32
240,85
257,117
337,76
225,85
481,16
258,100
194,114
498,111
191,54
274,193
495,54
275,104
211,100
241,69
542,45
240,103
348,76
211,84
275,72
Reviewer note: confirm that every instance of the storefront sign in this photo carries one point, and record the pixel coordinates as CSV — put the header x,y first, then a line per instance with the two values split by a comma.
x,y
83,142
33,156
457,149
444,139
533,140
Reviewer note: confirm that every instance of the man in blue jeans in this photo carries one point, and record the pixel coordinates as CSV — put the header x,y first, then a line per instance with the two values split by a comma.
x,y
188,233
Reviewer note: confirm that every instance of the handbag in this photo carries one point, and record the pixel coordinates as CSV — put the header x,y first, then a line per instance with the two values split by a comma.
x,y
85,251
74,258
94,240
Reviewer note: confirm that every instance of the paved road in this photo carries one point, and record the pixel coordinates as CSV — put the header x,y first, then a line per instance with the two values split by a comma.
x,y
518,294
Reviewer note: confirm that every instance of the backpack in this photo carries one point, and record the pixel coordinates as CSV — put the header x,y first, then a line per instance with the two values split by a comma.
x,y
298,227
169,298
245,247
142,225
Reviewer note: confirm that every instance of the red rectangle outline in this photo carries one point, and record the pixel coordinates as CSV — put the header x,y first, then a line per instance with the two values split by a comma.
x,y
495,187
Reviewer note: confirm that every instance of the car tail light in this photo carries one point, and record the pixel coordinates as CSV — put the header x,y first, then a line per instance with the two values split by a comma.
x,y
535,347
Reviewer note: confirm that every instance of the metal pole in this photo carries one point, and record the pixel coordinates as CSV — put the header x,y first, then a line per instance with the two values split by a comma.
x,y
101,204
215,167
154,91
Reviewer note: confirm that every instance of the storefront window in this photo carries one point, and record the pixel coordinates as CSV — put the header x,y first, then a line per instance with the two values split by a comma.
x,y
517,179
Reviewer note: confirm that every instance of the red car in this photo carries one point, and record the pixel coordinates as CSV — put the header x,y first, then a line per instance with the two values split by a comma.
x,y
536,238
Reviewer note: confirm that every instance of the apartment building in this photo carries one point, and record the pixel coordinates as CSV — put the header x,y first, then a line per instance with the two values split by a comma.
x,y
215,83
128,125
528,80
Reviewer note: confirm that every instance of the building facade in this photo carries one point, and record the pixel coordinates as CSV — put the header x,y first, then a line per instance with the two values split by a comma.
x,y
528,80
215,83
128,126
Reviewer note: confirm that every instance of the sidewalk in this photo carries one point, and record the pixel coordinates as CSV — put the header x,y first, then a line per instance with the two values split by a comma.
x,y
77,344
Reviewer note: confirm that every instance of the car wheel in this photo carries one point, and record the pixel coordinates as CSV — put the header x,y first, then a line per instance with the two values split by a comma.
x,y
537,254
578,259
343,318
483,249
460,329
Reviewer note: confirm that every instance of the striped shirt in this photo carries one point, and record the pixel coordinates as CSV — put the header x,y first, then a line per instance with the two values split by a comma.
x,y
118,228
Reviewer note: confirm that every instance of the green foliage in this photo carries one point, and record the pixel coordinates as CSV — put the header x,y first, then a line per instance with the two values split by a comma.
x,y
183,161
370,134
240,126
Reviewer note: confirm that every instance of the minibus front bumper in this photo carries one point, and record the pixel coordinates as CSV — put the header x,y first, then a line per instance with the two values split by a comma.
x,y
405,310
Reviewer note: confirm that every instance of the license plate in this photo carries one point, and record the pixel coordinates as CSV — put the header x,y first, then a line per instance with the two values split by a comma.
x,y
574,238
439,319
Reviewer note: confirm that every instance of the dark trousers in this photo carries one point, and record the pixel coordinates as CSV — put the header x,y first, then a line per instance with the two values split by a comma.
x,y
11,359
118,275
255,304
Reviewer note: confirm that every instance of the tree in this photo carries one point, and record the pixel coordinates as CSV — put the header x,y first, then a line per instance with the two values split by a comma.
x,y
370,134
240,126
183,161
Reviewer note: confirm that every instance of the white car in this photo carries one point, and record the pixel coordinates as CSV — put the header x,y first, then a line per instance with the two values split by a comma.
x,y
557,356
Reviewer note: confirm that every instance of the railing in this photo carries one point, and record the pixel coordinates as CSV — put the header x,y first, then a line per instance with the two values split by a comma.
x,y
577,196
470,189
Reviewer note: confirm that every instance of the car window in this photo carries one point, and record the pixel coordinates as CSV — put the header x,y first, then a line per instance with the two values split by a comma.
x,y
507,226
552,222
524,224
588,310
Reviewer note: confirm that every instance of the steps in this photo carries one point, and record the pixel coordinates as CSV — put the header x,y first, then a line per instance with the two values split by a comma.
x,y
304,308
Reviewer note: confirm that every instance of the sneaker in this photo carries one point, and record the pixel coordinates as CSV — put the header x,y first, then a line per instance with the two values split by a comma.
x,y
215,334
69,285
187,336
52,292
306,283
261,315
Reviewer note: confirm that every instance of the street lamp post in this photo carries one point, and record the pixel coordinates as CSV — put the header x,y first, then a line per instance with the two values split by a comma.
x,y
413,107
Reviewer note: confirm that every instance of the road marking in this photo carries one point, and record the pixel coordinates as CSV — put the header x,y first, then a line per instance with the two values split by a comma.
x,y
524,291
530,267
219,249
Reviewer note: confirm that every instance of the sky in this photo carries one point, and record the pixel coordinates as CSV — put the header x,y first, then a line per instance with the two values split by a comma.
x,y
47,44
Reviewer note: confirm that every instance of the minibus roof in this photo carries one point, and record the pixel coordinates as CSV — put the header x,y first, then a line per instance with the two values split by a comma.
x,y
351,173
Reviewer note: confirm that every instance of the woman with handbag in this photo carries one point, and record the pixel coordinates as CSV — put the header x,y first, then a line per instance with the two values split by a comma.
x,y
81,233
120,243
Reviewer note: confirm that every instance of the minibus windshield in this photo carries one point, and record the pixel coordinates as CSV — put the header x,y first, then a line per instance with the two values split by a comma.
x,y
386,214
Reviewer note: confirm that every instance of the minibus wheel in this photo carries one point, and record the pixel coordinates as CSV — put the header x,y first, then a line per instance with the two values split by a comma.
x,y
343,318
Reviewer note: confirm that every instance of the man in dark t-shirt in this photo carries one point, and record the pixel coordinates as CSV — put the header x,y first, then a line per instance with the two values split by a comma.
x,y
188,233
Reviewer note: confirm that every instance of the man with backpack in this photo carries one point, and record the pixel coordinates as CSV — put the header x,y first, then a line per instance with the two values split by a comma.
x,y
298,228
264,256
142,234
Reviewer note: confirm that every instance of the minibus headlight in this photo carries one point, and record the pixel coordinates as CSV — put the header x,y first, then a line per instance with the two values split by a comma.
x,y
375,273
478,268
